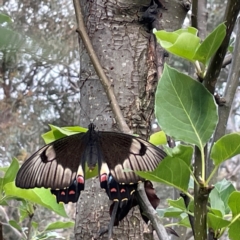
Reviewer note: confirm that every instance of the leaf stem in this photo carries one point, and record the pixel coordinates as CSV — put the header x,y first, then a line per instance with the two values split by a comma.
x,y
212,174
203,164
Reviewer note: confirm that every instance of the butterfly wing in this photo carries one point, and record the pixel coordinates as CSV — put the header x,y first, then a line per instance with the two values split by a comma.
x,y
122,151
55,165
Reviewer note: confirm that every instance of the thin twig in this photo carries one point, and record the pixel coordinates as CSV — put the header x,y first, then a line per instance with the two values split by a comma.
x,y
151,213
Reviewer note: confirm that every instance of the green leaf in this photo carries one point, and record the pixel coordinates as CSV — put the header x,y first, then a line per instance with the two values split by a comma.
x,y
216,202
11,172
225,188
225,148
233,203
40,196
158,138
35,224
182,43
233,231
4,169
57,132
59,225
215,222
185,110
166,173
211,44
14,224
171,212
183,152
185,222
179,203
5,18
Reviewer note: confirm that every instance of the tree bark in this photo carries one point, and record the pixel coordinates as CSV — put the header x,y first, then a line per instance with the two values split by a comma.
x,y
127,51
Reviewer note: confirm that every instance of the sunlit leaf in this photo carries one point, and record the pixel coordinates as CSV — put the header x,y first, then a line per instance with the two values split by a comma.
x,y
40,196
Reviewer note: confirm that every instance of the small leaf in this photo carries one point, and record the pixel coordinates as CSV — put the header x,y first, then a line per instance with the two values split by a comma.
x,y
215,222
185,222
166,173
182,43
170,212
216,202
225,188
233,203
57,132
5,18
59,225
40,196
179,203
11,172
211,44
184,108
226,147
233,231
14,224
158,138
184,152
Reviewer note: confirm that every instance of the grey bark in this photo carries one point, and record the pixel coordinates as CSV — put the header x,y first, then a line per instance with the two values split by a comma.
x,y
124,47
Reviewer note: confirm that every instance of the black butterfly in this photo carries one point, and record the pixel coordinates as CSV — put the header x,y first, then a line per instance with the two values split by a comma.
x,y
60,165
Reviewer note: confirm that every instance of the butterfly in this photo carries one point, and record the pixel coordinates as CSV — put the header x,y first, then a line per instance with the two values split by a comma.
x,y
61,165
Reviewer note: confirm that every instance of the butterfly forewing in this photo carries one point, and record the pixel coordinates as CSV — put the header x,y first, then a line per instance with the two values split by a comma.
x,y
55,165
122,152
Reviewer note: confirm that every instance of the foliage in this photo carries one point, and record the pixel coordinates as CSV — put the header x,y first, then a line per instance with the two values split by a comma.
x,y
187,112
28,203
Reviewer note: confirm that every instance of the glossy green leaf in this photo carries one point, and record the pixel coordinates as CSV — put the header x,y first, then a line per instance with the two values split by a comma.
x,y
185,110
225,148
233,203
182,43
40,196
211,44
233,231
59,225
215,222
166,173
158,138
11,172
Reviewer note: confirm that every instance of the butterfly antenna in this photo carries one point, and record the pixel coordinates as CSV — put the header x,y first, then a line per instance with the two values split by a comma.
x,y
113,217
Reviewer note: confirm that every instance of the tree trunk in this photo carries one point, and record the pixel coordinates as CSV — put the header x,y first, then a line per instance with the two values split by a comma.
x,y
128,54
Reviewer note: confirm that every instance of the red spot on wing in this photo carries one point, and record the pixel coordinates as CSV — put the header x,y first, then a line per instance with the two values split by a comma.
x,y
80,179
72,192
103,177
62,193
123,190
113,190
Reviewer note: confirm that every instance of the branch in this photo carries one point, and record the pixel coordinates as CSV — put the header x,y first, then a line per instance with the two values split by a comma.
x,y
230,89
99,70
231,13
151,213
4,216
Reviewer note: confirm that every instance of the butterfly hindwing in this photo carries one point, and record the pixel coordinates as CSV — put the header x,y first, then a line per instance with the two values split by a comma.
x,y
122,152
